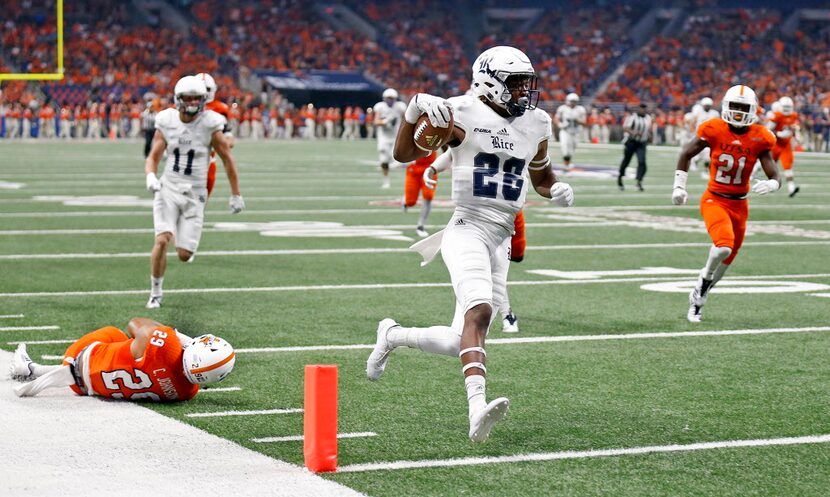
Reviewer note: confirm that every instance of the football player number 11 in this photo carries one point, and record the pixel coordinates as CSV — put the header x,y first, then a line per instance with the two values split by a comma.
x,y
725,164
191,154
487,166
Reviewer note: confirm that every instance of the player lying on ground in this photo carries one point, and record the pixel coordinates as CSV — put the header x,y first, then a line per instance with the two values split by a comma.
x,y
150,361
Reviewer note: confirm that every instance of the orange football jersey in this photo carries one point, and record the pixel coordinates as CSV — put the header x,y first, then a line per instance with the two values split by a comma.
x,y
733,155
219,107
109,369
783,121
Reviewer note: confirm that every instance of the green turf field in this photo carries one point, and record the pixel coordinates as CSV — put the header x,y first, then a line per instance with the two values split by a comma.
x,y
74,260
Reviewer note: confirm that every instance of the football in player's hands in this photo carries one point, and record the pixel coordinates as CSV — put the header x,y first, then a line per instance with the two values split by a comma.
x,y
428,137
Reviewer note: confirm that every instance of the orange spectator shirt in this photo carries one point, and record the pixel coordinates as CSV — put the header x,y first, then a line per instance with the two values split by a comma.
x,y
733,155
158,375
783,121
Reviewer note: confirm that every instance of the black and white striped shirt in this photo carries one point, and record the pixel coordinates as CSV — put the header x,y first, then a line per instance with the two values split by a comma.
x,y
638,127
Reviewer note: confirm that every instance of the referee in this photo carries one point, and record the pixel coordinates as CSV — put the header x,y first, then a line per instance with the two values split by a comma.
x,y
148,126
637,129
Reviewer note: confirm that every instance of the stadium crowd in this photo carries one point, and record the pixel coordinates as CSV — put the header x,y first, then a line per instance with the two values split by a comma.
x,y
574,51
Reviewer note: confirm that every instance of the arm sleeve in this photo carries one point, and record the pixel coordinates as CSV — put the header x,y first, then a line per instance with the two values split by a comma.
x,y
443,162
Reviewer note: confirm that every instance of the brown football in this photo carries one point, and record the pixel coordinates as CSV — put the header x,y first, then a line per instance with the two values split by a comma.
x,y
429,137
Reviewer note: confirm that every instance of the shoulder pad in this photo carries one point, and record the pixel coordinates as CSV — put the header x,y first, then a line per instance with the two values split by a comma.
x,y
165,117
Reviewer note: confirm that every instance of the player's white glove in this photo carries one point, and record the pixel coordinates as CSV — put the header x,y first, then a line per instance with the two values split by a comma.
x,y
236,203
784,133
562,194
766,186
430,178
437,109
153,183
679,196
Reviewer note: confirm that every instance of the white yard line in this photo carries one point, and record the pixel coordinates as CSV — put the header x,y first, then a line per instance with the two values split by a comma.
x,y
388,250
567,338
220,389
300,438
242,413
11,316
28,328
506,341
384,286
555,456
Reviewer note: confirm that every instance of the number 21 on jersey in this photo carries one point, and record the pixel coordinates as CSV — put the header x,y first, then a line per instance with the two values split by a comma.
x,y
487,166
725,164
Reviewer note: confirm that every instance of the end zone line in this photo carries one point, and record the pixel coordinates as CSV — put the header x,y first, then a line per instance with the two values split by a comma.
x,y
242,413
300,438
28,328
553,456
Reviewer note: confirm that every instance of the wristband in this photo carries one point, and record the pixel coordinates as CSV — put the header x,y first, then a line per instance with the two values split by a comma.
x,y
680,178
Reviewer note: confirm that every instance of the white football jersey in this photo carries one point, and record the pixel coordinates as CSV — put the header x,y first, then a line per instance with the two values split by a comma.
x,y
702,115
188,146
570,117
490,178
393,115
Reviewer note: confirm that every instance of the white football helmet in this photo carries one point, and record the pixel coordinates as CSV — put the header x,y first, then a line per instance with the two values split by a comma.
x,y
190,86
210,85
739,106
390,94
207,359
491,71
707,103
787,105
572,98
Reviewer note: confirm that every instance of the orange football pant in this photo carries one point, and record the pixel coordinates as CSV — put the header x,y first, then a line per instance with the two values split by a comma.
x,y
725,220
414,184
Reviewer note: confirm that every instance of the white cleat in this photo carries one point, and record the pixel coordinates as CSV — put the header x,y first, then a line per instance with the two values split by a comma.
x,y
695,313
421,232
482,422
510,323
20,369
154,302
376,362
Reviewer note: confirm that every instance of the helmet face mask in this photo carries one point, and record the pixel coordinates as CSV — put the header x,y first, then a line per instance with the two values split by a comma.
x,y
504,76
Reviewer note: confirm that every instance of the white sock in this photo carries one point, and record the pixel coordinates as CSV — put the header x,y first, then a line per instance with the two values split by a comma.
x,y
442,340
39,370
426,206
155,286
719,273
716,256
790,182
475,385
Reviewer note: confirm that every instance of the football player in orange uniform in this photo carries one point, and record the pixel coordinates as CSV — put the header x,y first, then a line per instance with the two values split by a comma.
x,y
735,142
220,108
784,124
150,361
415,184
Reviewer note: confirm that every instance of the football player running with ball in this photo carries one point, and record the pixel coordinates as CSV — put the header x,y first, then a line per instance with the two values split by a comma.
x,y
187,133
498,143
736,141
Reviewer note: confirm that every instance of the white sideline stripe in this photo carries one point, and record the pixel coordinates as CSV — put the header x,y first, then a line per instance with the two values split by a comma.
x,y
384,286
555,456
565,338
219,389
300,438
386,250
28,328
241,413
11,316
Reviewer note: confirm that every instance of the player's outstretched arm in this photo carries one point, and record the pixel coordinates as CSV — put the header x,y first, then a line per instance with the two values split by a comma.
x,y
151,164
544,180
